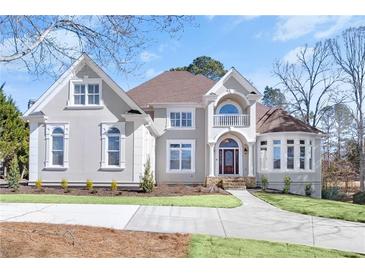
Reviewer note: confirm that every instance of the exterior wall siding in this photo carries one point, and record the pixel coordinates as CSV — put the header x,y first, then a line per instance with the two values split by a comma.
x,y
198,134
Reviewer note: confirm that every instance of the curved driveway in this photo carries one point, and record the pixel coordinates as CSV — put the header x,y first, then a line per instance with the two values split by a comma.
x,y
256,219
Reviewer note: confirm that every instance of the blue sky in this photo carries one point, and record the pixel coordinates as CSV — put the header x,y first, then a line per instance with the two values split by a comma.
x,y
249,43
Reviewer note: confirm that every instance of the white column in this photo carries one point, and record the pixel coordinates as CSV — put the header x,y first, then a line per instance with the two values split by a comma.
x,y
251,151
33,151
211,159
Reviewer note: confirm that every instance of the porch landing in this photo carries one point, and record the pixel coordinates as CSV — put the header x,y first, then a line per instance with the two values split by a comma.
x,y
231,182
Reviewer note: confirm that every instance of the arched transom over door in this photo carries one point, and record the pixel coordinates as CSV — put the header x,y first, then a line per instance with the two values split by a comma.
x,y
229,155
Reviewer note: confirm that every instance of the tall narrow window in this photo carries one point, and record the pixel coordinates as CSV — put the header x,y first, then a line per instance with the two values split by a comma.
x,y
113,147
263,155
310,155
57,147
290,154
93,94
277,154
302,154
79,94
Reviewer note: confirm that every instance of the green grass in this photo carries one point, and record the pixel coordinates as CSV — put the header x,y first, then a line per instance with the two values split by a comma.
x,y
315,207
226,201
203,246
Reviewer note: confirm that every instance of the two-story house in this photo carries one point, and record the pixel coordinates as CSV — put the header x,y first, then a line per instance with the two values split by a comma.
x,y
194,131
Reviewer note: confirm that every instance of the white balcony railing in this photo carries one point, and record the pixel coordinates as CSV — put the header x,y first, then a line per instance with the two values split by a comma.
x,y
231,120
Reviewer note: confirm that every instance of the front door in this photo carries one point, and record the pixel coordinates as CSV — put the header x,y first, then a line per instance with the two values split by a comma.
x,y
228,165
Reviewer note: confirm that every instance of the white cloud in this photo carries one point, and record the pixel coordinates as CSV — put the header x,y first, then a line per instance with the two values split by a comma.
x,y
147,56
172,45
151,72
292,56
293,27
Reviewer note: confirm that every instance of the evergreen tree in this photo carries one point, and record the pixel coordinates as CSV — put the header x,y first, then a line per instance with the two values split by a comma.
x,y
205,65
273,97
147,182
14,175
13,133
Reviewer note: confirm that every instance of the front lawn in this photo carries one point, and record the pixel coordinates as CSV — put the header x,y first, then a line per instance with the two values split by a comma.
x,y
203,246
39,240
315,207
224,201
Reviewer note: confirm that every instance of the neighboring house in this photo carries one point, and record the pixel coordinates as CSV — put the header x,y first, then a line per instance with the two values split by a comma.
x,y
193,129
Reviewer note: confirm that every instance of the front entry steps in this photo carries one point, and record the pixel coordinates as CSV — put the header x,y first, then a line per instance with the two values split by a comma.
x,y
231,182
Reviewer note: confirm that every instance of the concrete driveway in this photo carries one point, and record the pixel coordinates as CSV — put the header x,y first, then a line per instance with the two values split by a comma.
x,y
256,219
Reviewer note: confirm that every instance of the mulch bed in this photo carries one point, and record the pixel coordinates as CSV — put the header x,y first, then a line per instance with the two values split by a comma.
x,y
35,240
159,191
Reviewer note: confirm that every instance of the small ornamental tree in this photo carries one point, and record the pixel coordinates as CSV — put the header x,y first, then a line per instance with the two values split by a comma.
x,y
14,174
287,183
147,182
264,183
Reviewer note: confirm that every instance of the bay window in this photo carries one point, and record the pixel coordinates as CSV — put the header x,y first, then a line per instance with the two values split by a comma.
x,y
290,154
302,154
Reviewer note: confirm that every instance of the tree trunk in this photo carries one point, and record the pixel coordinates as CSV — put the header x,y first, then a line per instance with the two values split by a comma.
x,y
361,145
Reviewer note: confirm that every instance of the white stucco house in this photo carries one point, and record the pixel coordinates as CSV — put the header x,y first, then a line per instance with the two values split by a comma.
x,y
194,130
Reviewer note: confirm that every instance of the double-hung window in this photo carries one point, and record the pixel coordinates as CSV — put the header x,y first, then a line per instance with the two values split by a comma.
x,y
113,146
79,94
180,155
290,154
302,154
277,154
57,137
310,155
86,92
181,118
263,155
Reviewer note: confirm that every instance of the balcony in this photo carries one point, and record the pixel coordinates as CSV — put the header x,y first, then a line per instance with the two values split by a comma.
x,y
231,120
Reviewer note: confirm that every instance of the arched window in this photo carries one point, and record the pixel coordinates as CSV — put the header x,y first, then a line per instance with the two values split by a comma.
x,y
229,142
229,109
57,147
113,146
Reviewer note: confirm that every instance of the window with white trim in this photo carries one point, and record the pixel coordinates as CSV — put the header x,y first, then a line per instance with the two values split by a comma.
x,y
57,137
113,145
181,118
180,155
85,92
302,154
310,155
57,146
263,154
290,154
277,154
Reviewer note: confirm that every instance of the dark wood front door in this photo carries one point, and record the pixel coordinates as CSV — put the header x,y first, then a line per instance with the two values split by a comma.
x,y
228,164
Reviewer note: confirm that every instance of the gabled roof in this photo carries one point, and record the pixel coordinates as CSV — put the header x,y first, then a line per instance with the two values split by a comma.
x,y
239,77
172,87
56,86
278,120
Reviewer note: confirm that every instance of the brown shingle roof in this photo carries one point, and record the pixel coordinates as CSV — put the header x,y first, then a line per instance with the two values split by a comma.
x,y
278,120
185,87
172,87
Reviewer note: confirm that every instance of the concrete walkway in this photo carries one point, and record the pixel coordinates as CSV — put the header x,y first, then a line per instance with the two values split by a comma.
x,y
256,219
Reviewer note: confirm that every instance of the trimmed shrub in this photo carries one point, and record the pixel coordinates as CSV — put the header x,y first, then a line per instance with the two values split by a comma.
x,y
147,182
308,189
89,185
64,185
114,185
332,193
38,184
359,198
264,183
287,183
14,174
